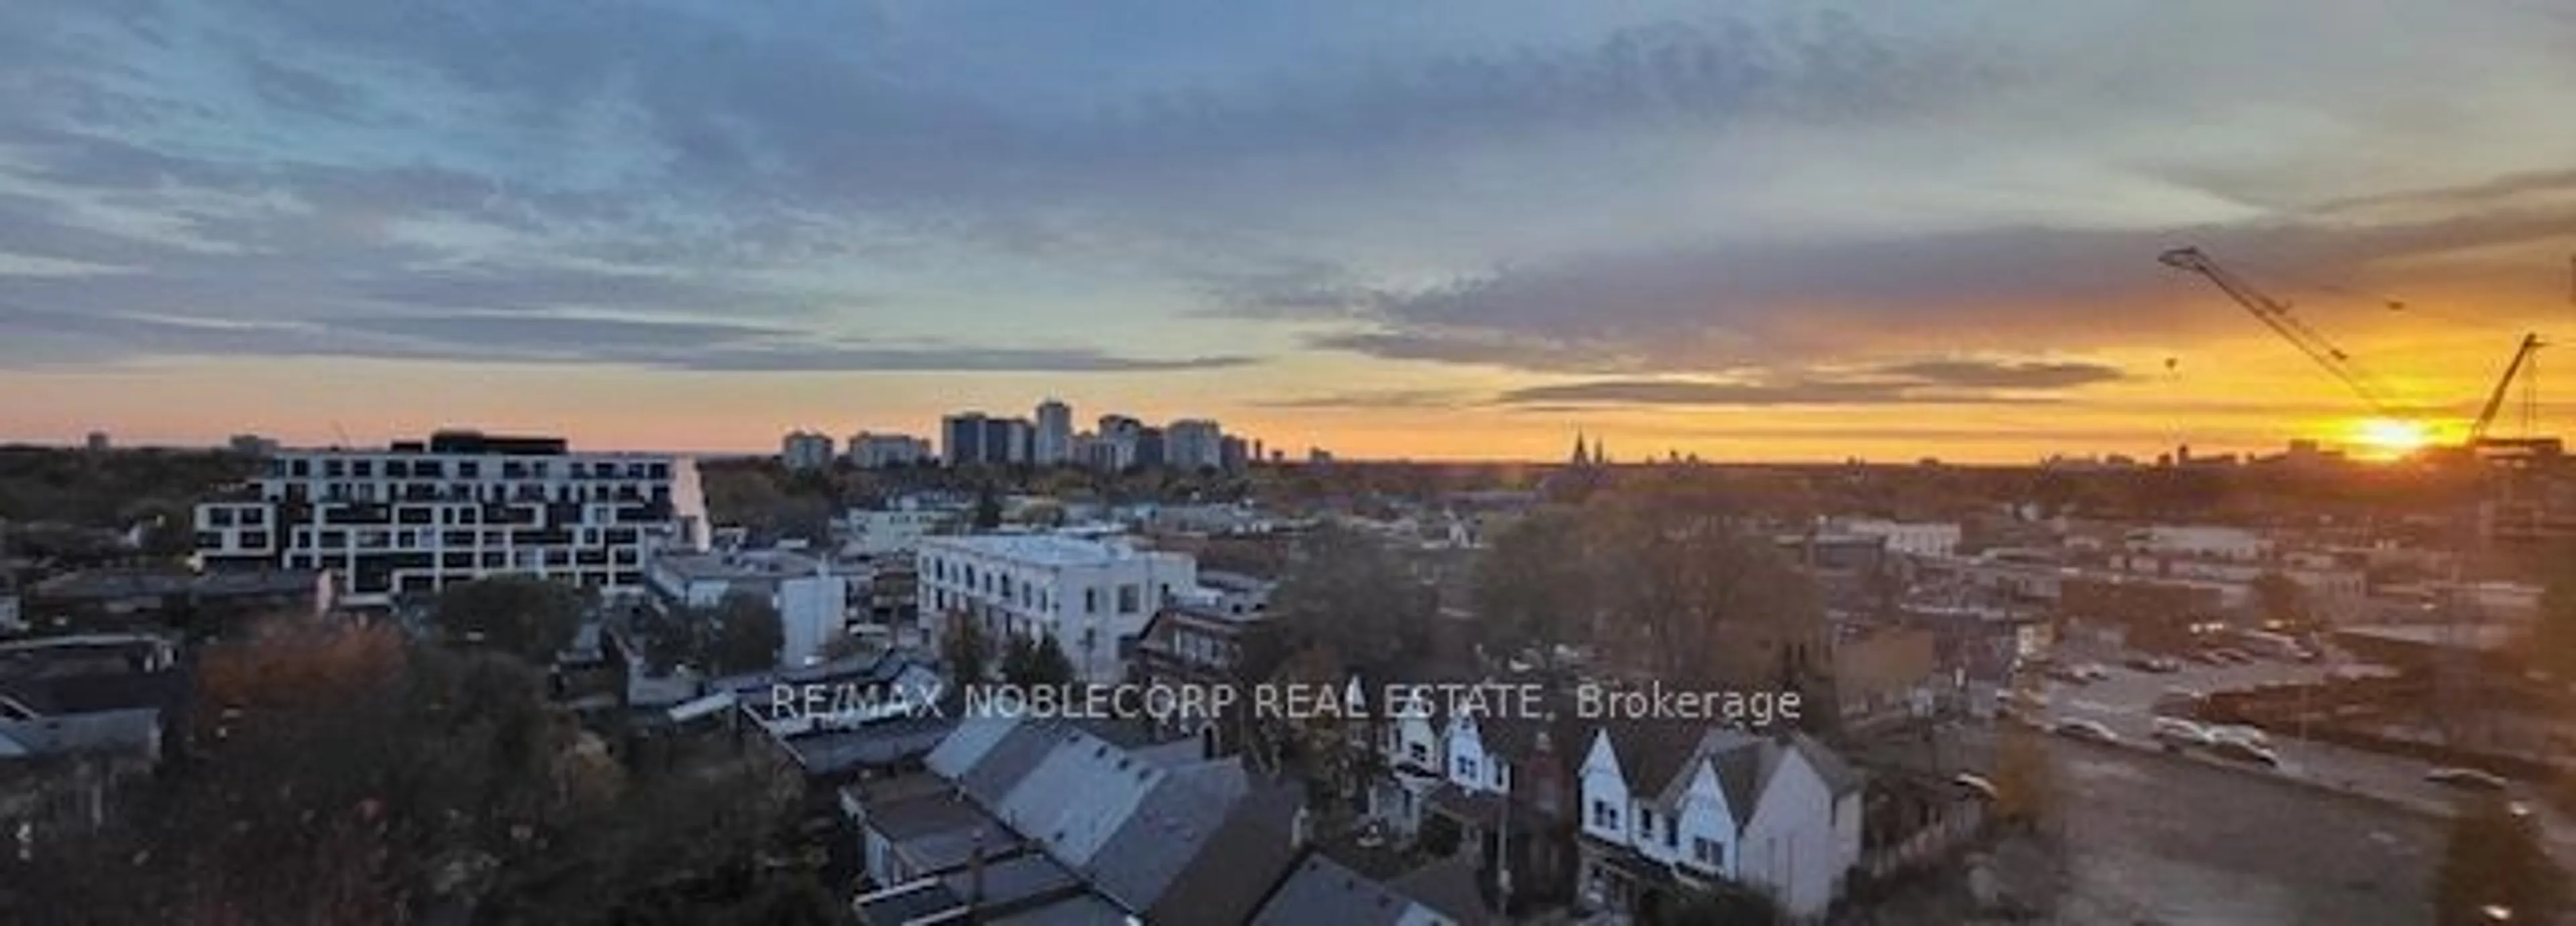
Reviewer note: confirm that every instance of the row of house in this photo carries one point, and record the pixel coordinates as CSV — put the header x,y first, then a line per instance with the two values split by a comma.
x,y
1019,820
1655,809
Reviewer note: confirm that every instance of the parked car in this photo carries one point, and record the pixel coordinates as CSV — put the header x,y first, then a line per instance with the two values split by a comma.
x,y
2241,751
2209,658
2086,730
2092,672
2022,698
2240,733
2466,779
2177,734
2160,665
1976,783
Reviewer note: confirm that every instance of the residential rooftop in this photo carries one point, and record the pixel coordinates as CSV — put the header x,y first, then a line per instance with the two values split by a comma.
x,y
739,565
96,584
1056,550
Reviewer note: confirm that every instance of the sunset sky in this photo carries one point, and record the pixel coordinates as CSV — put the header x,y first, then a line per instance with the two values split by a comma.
x,y
1748,230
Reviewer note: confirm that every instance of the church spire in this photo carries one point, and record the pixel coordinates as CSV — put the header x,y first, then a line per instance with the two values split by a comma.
x,y
1581,458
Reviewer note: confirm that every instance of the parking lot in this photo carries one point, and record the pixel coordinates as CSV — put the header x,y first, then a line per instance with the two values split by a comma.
x,y
2125,702
2149,837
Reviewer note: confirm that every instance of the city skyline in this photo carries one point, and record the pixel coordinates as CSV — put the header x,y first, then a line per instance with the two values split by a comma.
x,y
1775,232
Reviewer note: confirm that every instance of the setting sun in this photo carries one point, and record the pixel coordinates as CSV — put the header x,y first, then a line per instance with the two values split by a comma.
x,y
2389,438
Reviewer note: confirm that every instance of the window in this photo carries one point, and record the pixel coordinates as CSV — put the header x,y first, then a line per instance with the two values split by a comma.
x,y
209,540
219,517
1605,816
1708,852
1420,754
253,517
1127,599
256,540
1467,768
363,469
334,469
300,469
469,469
1090,601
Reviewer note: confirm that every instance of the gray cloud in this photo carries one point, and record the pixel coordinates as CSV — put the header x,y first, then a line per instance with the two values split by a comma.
x,y
1580,177
863,359
48,338
1372,399
2003,374
1694,311
1794,392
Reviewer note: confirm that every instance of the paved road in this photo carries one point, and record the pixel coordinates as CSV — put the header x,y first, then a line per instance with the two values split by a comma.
x,y
2125,701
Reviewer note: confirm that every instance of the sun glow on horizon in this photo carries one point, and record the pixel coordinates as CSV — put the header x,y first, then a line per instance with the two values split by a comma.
x,y
2389,438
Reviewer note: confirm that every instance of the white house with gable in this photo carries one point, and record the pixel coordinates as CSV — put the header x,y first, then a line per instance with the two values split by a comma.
x,y
1667,811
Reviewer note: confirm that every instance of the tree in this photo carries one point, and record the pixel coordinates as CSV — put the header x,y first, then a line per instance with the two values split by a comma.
x,y
1347,591
1697,593
1534,587
742,634
966,650
2495,858
523,615
988,509
342,774
1035,661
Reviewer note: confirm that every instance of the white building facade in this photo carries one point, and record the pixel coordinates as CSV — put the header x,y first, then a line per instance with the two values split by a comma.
x,y
421,515
1088,595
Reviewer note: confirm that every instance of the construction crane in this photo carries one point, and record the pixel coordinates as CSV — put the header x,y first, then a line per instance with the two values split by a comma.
x,y
2531,343
2276,315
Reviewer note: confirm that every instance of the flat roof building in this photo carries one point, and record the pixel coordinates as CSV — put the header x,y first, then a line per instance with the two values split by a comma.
x,y
420,515
1090,596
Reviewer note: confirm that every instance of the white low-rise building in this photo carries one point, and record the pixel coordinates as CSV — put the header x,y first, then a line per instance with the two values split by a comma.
x,y
869,532
2207,541
1912,538
811,599
1087,594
